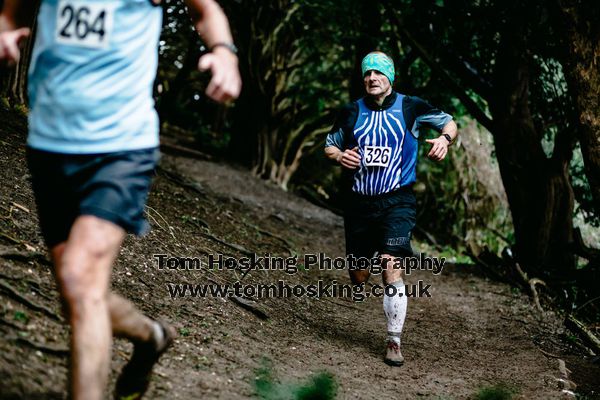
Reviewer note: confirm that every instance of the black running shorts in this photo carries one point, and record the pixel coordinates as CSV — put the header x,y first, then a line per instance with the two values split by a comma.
x,y
111,186
380,223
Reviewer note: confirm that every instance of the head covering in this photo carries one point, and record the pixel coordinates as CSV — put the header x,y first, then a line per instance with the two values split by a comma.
x,y
379,62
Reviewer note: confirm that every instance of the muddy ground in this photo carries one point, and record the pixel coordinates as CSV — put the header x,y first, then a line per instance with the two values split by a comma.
x,y
472,333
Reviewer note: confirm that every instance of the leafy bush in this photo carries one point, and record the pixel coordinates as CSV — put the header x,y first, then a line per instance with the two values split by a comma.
x,y
321,386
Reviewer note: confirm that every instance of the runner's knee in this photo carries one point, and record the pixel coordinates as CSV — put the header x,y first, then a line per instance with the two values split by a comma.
x,y
79,286
84,270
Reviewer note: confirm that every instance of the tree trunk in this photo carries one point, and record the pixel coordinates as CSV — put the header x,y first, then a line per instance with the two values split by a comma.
x,y
582,71
537,187
248,131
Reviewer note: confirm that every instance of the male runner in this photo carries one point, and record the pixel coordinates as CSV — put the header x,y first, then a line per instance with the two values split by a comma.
x,y
92,148
375,140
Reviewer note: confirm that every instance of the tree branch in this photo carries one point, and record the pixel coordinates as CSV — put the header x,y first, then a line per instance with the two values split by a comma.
x,y
470,105
465,71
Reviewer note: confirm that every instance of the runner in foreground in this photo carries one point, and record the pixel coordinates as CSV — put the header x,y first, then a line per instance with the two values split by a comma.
x,y
375,140
92,148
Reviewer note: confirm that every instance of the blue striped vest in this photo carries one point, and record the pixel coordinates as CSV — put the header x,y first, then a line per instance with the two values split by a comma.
x,y
388,152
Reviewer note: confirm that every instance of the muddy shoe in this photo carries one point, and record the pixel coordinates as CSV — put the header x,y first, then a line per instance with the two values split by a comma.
x,y
135,376
393,356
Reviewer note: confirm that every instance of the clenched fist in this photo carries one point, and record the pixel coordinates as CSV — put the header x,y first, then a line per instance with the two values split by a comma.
x,y
10,42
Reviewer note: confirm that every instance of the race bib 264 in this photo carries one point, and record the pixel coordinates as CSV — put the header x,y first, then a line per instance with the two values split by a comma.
x,y
84,24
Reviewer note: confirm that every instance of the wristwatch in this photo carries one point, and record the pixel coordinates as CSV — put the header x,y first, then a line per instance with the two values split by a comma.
x,y
448,138
230,46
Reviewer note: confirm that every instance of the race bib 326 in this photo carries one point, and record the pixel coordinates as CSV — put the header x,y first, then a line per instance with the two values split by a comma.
x,y
377,156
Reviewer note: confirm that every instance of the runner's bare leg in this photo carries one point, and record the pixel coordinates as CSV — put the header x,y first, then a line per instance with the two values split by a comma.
x,y
127,321
391,275
83,267
359,276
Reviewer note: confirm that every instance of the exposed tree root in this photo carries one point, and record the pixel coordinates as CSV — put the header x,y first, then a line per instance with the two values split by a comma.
x,y
531,283
534,293
171,147
14,293
548,354
181,181
14,254
271,234
234,246
249,305
582,331
54,350
11,325
10,238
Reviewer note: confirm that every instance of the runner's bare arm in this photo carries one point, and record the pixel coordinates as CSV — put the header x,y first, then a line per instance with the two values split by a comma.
x,y
348,158
212,25
15,17
451,129
439,147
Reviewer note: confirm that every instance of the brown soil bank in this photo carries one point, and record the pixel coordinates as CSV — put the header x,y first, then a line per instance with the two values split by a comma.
x,y
470,334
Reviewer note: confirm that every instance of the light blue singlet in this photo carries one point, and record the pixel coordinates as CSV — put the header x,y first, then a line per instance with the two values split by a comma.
x,y
91,76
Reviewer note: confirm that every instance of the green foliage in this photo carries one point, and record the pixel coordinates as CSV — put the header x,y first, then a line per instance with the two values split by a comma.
x,y
184,331
496,392
463,193
321,386
19,108
20,316
4,103
583,195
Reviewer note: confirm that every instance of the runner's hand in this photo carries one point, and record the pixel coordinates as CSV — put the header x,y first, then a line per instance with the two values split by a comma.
x,y
225,84
350,158
9,45
439,149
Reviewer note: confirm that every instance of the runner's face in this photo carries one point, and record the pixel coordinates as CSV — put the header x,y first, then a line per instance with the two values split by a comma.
x,y
376,83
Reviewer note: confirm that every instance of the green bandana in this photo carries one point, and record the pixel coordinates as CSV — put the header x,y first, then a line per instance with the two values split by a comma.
x,y
379,62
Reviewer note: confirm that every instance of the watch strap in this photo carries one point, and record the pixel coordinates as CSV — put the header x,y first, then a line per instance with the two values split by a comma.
x,y
229,46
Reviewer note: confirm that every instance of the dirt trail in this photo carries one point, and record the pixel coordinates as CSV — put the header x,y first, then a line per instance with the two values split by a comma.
x,y
471,333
